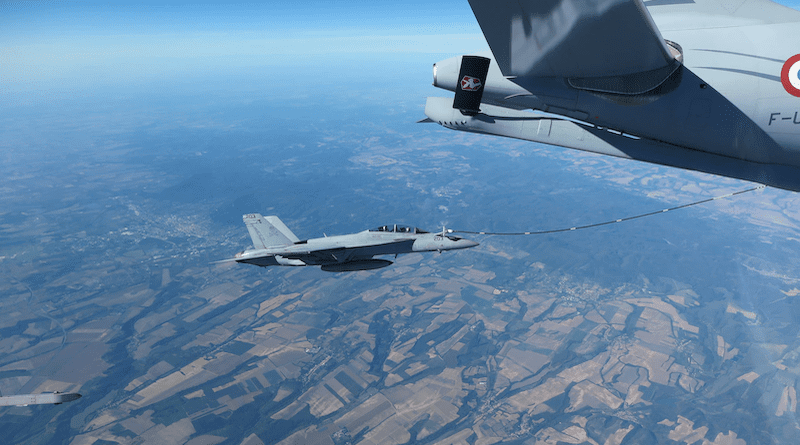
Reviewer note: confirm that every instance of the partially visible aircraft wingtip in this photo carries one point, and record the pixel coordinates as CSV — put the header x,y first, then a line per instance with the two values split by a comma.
x,y
229,260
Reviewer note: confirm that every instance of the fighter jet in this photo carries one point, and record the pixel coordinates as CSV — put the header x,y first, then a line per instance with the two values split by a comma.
x,y
706,85
275,245
55,398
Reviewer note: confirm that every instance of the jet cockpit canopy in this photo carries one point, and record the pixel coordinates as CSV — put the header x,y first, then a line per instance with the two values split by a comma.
x,y
396,228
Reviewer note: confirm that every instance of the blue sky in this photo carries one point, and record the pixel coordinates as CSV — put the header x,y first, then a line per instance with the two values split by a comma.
x,y
57,40
69,44
339,16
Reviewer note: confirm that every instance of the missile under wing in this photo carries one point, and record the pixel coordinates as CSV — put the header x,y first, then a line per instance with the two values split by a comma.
x,y
706,85
275,245
55,398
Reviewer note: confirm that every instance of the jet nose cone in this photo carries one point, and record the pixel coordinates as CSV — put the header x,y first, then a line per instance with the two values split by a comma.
x,y
70,397
466,244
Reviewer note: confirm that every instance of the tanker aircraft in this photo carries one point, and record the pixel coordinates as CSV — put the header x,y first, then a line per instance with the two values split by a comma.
x,y
275,245
706,85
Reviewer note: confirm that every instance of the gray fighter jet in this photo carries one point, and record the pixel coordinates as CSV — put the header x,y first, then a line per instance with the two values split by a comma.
x,y
55,398
706,85
275,245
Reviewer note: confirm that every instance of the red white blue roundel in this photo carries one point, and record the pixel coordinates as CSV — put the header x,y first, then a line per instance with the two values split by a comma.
x,y
469,83
790,75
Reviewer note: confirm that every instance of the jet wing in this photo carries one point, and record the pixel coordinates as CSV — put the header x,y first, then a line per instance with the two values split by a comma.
x,y
322,256
572,38
343,254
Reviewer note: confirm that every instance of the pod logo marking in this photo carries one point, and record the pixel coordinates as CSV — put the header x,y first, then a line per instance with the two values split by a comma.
x,y
790,75
469,83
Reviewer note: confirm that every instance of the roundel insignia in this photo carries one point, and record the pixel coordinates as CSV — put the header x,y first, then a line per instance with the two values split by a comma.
x,y
469,83
790,75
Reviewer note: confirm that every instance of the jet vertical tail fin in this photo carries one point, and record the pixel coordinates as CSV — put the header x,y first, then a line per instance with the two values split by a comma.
x,y
268,232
